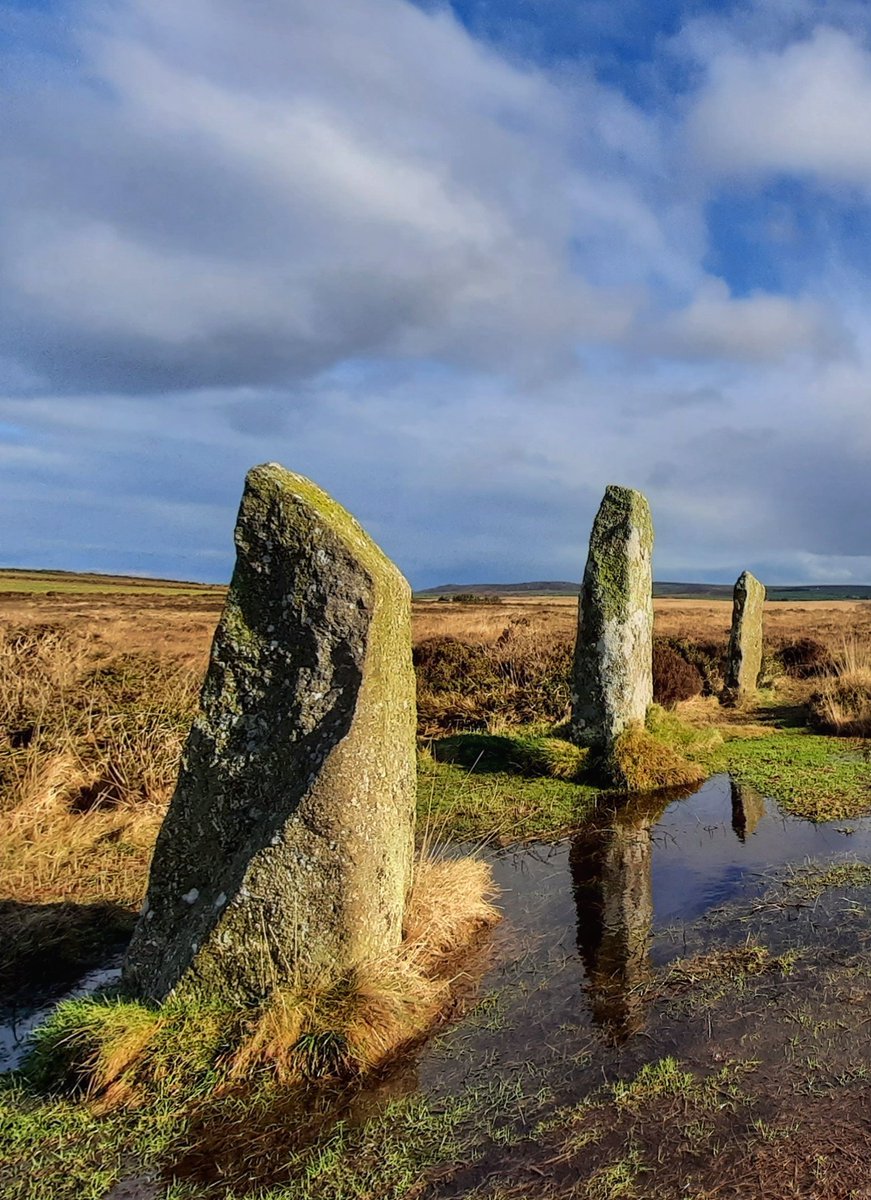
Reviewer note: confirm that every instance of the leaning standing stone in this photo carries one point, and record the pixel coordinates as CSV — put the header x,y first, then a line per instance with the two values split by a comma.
x,y
286,853
745,642
613,668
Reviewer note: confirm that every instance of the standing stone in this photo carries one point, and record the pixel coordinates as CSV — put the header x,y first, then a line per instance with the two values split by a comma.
x,y
286,853
613,669
745,641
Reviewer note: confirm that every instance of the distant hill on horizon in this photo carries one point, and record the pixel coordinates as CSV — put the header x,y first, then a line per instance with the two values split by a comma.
x,y
34,581
663,590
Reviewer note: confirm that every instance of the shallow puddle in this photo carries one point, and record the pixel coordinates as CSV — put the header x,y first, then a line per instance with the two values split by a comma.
x,y
587,918
14,1033
561,1005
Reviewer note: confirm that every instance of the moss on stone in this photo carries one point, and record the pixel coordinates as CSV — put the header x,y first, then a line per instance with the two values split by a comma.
x,y
622,510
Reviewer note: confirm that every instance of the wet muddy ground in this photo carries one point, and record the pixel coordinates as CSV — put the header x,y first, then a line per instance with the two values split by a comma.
x,y
691,929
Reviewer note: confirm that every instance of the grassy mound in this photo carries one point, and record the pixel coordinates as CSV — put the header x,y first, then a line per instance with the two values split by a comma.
x,y
668,753
527,753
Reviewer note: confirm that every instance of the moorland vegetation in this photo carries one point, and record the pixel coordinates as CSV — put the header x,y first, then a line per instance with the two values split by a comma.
x,y
92,724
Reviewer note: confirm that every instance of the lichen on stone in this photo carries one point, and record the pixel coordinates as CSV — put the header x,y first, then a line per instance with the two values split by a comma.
x,y
612,678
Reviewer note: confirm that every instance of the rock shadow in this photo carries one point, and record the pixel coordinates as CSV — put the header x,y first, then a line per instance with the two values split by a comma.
x,y
44,948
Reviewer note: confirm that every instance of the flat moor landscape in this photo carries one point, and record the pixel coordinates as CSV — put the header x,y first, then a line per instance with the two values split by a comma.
x,y
669,973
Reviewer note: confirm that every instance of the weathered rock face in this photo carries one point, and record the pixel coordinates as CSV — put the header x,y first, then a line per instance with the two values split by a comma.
x,y
745,642
287,848
613,669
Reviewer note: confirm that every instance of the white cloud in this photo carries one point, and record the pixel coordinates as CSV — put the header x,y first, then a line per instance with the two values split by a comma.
x,y
253,199
460,292
798,109
755,328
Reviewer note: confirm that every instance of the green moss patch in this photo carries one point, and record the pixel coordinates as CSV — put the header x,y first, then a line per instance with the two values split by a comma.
x,y
524,753
642,762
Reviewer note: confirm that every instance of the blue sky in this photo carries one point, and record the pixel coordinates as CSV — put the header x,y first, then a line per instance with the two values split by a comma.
x,y
462,264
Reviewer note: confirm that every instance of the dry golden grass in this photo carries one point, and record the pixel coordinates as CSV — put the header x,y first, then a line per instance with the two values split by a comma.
x,y
830,621
842,702
484,623
89,758
181,627
49,853
355,1024
90,737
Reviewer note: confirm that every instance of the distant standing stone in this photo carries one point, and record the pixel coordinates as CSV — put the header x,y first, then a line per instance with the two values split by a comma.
x,y
613,669
286,852
745,642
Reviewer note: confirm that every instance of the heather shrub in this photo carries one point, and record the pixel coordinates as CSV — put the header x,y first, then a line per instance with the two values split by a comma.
x,y
446,664
674,679
522,678
805,658
709,659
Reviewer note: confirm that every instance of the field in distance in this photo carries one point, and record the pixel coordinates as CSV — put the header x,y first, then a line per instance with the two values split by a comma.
x,y
35,582
661,590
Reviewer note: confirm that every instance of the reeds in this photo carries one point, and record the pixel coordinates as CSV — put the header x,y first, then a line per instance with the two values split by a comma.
x,y
842,703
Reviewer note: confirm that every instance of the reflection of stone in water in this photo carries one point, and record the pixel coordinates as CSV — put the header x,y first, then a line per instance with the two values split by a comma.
x,y
611,878
748,809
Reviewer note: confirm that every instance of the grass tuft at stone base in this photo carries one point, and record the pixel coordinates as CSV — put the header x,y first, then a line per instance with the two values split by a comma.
x,y
122,1053
641,762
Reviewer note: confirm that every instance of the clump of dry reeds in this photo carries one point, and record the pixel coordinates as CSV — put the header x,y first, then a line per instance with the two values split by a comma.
x,y
842,703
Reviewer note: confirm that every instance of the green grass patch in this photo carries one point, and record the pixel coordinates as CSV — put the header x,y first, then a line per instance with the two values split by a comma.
x,y
698,745
528,782
63,1149
458,802
819,778
811,881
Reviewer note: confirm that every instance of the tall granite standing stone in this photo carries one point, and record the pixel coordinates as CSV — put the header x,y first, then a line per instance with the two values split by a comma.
x,y
745,641
613,668
287,848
